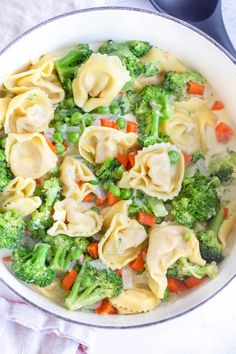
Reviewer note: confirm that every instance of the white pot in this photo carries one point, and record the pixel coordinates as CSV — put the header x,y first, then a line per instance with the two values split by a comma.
x,y
189,45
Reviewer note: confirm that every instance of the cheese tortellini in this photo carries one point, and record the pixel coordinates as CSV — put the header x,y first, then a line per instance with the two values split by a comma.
x,y
153,172
18,195
166,245
98,143
29,155
28,113
228,225
4,102
122,242
108,213
98,81
74,219
75,177
40,75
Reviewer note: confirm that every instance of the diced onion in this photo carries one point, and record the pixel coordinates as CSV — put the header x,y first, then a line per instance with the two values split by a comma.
x,y
127,278
202,168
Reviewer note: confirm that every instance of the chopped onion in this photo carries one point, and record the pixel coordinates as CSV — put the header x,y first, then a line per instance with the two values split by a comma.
x,y
202,168
127,277
99,191
97,264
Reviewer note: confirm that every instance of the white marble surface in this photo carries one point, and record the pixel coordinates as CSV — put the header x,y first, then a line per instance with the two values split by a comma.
x,y
210,329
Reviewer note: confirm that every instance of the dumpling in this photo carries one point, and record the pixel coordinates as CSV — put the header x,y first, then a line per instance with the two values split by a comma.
x,y
28,113
166,61
192,105
4,102
29,155
74,219
108,213
122,242
75,176
228,225
136,300
182,130
98,143
18,195
166,246
98,81
154,174
41,75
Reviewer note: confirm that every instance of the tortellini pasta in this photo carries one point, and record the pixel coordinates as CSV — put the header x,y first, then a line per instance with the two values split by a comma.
x,y
74,219
122,242
28,113
166,245
228,225
75,177
41,75
153,172
53,292
29,155
18,195
98,143
4,102
108,213
136,300
98,81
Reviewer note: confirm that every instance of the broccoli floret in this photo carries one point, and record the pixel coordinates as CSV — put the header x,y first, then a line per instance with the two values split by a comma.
x,y
151,69
51,191
93,285
68,65
222,166
177,83
197,200
197,155
210,246
183,269
111,170
127,102
139,48
5,172
65,250
11,229
146,204
31,265
128,59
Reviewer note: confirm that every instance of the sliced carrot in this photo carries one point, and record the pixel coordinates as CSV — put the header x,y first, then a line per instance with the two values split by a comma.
x,y
106,123
176,286
69,280
119,272
217,106
226,213
146,219
52,146
89,197
194,88
7,259
93,250
111,199
132,127
100,201
187,158
131,158
224,133
106,308
123,159
191,282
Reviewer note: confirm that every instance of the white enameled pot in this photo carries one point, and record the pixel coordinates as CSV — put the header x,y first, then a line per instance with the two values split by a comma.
x,y
189,45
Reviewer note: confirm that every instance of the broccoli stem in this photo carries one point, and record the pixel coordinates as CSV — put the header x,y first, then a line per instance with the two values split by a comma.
x,y
71,58
216,221
40,253
155,124
89,296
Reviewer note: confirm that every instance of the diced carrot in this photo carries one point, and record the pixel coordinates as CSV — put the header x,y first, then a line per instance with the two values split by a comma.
x,y
119,272
27,232
106,123
69,280
7,259
224,133
38,182
132,127
106,308
115,125
138,263
217,106
187,158
191,282
194,88
52,146
146,219
79,183
131,158
226,213
93,250
176,286
65,145
111,199
89,197
123,159
100,201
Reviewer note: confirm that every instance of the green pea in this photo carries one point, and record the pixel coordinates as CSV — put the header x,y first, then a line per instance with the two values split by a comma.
x,y
103,110
115,190
125,194
94,181
58,137
76,118
70,102
119,172
106,186
60,148
121,122
115,109
88,119
174,156
73,137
